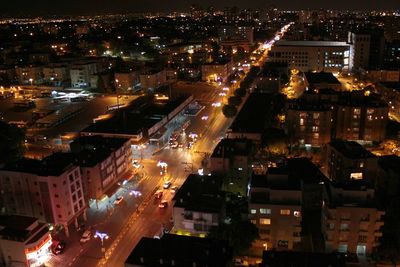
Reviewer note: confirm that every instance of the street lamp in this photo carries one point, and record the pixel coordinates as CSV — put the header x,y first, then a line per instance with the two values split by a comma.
x,y
102,237
31,81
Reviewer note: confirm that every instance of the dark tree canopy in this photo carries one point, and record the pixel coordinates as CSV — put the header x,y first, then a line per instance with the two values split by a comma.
x,y
11,142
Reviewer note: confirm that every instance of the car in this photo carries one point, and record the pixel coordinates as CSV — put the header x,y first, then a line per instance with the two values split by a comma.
x,y
174,189
158,194
189,145
86,236
135,193
136,164
204,118
163,204
57,247
167,184
118,200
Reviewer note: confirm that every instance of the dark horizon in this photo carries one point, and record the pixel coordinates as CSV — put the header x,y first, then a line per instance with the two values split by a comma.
x,y
93,7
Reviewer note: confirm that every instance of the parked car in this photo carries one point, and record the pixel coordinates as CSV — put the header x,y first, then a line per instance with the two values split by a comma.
x,y
167,184
158,194
163,204
118,200
174,189
86,236
57,247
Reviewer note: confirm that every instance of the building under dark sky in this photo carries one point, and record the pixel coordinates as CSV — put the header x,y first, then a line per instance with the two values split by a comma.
x,y
48,7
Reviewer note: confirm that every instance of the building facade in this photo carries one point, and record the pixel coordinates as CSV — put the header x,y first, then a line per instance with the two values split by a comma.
x,y
348,160
32,248
49,189
312,55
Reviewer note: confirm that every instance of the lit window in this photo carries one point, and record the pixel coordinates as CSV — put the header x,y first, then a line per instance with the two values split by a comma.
x,y
297,213
356,176
301,121
265,211
344,226
253,221
253,211
285,212
265,221
361,164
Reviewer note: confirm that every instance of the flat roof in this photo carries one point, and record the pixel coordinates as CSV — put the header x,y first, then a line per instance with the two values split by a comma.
x,y
182,250
309,43
201,193
351,149
232,147
142,113
53,165
272,258
296,172
321,77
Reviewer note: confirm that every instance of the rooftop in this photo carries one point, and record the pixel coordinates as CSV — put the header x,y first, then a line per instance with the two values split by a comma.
x,y
176,250
310,43
53,165
141,114
321,77
351,149
200,193
302,259
290,176
232,147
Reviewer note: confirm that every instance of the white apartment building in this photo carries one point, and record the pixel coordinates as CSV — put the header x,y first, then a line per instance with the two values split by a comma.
x,y
312,55
81,73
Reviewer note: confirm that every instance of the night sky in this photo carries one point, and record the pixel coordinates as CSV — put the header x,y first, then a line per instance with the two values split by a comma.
x,y
49,7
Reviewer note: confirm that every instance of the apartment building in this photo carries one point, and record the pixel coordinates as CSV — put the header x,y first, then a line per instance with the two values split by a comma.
x,y
278,200
321,115
232,157
308,123
361,117
81,74
198,205
153,79
125,81
49,189
216,71
348,160
24,241
29,75
56,74
103,161
352,221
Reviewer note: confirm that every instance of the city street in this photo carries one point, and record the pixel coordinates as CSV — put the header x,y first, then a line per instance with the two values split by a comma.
x,y
136,217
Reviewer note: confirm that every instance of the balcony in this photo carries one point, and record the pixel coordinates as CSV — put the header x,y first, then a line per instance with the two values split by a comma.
x,y
377,233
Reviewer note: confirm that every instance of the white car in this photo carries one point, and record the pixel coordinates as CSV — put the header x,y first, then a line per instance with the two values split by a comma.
x,y
174,189
163,204
136,164
217,104
167,184
86,236
118,200
204,118
135,193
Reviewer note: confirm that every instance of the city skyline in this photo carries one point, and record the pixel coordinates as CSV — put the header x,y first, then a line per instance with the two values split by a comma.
x,y
91,7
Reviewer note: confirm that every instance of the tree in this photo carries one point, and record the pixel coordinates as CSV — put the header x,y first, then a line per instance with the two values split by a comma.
x,y
229,111
239,231
234,100
240,92
12,141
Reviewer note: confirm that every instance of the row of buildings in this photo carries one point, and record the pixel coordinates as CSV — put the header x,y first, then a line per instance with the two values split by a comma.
x,y
358,52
